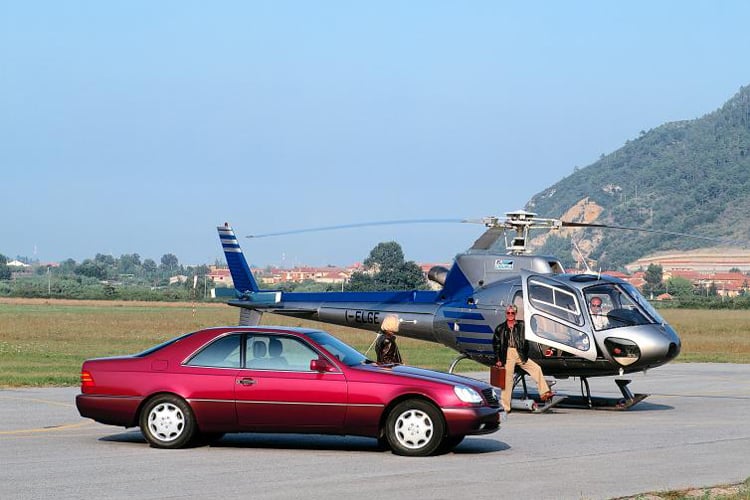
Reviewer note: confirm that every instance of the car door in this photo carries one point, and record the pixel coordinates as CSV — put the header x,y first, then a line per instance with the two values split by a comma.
x,y
553,316
278,391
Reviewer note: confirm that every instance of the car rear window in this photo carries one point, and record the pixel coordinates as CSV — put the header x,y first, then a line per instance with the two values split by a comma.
x,y
161,346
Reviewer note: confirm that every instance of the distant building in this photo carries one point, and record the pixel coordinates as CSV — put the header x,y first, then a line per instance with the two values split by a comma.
x,y
709,260
180,278
220,276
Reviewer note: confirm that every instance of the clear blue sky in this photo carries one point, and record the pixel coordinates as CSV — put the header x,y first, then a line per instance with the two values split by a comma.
x,y
139,126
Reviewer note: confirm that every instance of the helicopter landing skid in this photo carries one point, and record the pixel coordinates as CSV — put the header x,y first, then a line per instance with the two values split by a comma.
x,y
531,405
455,362
549,404
585,400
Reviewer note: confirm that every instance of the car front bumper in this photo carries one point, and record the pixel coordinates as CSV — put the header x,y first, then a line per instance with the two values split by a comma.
x,y
472,421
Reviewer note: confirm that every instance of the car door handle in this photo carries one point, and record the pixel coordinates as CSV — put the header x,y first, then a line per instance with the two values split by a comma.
x,y
246,381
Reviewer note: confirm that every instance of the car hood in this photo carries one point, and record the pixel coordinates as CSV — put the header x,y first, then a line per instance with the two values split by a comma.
x,y
424,374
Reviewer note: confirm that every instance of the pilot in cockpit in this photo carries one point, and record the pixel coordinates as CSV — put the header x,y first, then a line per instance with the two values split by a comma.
x,y
598,317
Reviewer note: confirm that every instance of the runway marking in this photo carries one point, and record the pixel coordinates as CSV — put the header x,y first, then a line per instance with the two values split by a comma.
x,y
35,400
51,428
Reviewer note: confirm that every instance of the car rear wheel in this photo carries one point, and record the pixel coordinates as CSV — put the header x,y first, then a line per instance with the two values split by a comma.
x,y
167,422
415,428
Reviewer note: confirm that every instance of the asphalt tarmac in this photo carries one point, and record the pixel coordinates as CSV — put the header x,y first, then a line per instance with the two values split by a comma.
x,y
692,431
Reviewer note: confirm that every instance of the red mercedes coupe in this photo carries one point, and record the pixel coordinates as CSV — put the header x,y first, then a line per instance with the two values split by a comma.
x,y
199,386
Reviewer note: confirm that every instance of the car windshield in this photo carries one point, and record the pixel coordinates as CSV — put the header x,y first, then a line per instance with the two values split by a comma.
x,y
161,346
343,352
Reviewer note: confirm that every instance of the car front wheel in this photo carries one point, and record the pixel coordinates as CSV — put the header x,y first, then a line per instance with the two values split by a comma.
x,y
415,428
167,422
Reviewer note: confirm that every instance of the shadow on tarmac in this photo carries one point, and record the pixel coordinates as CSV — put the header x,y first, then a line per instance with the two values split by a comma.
x,y
469,446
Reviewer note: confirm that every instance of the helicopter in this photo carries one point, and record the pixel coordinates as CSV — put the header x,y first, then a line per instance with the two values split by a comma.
x,y
566,339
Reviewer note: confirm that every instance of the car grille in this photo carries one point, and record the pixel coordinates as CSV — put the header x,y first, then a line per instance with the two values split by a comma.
x,y
489,396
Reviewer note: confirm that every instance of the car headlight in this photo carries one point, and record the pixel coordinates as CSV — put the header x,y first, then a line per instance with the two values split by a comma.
x,y
467,394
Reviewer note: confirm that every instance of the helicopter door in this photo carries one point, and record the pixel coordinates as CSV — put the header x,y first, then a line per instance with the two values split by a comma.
x,y
554,317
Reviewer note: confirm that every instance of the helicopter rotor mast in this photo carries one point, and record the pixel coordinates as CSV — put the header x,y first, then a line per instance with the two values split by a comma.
x,y
520,222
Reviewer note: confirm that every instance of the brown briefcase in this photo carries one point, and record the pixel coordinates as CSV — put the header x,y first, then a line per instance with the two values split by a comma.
x,y
497,376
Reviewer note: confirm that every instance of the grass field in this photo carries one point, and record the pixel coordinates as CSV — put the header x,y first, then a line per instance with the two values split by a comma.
x,y
43,342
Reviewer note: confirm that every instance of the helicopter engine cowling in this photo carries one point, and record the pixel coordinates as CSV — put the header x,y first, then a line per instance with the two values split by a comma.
x,y
438,274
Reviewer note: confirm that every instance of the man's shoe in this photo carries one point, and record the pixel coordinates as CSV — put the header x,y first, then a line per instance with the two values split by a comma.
x,y
547,396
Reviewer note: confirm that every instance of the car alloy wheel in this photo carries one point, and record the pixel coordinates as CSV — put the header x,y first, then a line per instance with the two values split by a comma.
x,y
415,428
167,422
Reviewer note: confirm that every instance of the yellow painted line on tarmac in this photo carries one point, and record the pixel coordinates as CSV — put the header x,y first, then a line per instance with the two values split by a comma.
x,y
35,400
51,428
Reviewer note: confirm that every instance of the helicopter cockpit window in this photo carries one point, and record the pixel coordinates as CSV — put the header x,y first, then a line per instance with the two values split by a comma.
x,y
550,329
555,299
641,301
618,305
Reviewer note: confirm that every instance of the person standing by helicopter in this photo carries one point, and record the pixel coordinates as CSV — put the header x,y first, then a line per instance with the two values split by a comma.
x,y
385,345
511,349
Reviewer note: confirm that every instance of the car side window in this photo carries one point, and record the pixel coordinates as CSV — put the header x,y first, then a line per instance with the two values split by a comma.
x,y
271,352
224,352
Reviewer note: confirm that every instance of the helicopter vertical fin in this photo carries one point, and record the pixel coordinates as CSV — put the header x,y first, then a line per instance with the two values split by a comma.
x,y
241,275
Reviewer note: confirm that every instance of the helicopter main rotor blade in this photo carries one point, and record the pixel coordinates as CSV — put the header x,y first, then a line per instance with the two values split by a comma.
x,y
365,224
656,231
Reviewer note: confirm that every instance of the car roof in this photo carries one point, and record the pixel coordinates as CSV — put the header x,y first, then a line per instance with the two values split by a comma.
x,y
260,328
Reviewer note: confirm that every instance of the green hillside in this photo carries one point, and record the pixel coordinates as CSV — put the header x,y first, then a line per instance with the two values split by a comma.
x,y
688,177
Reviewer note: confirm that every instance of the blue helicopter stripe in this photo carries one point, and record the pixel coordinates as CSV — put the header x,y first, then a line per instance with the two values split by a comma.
x,y
382,297
470,328
469,340
462,315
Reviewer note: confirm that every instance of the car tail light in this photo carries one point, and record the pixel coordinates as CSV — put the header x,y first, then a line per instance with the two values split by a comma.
x,y
86,379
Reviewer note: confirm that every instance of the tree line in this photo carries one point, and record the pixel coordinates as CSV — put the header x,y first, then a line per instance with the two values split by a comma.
x,y
128,277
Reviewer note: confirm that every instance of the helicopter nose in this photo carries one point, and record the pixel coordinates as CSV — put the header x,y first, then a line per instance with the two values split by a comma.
x,y
673,351
666,346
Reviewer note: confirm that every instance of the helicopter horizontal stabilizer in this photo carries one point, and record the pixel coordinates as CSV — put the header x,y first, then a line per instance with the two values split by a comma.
x,y
260,298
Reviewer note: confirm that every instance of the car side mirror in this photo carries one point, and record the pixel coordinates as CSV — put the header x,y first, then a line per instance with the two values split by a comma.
x,y
321,365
